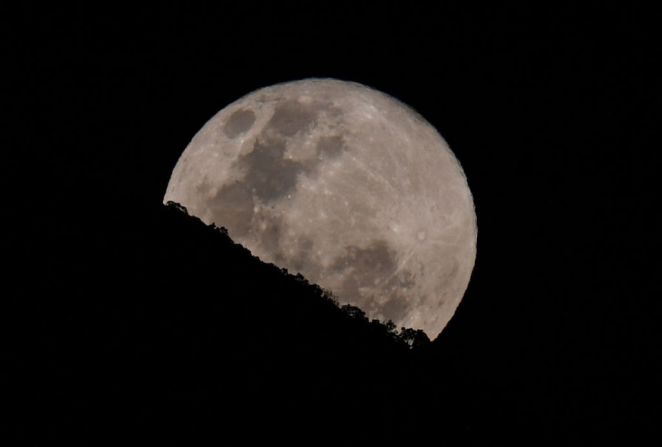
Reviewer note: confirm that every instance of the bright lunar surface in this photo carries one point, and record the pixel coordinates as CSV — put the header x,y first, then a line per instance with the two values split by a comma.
x,y
345,185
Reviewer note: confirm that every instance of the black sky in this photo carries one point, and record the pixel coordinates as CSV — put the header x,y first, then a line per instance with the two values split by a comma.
x,y
552,111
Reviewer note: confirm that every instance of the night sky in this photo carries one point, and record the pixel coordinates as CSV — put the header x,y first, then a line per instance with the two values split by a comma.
x,y
552,112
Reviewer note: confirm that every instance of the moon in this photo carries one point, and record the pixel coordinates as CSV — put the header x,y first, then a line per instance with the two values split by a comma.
x,y
347,186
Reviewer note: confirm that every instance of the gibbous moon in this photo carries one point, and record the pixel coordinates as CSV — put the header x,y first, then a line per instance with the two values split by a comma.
x,y
345,185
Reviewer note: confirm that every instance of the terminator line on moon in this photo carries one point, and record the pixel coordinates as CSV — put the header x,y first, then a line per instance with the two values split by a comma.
x,y
345,185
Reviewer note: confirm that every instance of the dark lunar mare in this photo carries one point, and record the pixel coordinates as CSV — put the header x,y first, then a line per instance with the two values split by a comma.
x,y
269,176
238,123
367,267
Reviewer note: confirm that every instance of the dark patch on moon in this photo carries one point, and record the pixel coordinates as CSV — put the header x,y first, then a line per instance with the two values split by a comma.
x,y
269,236
374,261
232,207
239,122
395,308
327,148
369,267
269,174
291,116
330,147
399,302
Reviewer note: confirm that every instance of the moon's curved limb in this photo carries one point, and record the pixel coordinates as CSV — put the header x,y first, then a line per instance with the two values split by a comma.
x,y
345,185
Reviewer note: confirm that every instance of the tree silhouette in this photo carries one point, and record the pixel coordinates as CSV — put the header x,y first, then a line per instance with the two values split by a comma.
x,y
413,338
354,312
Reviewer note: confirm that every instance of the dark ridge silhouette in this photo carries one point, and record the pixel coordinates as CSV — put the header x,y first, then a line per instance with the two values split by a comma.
x,y
412,338
163,330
